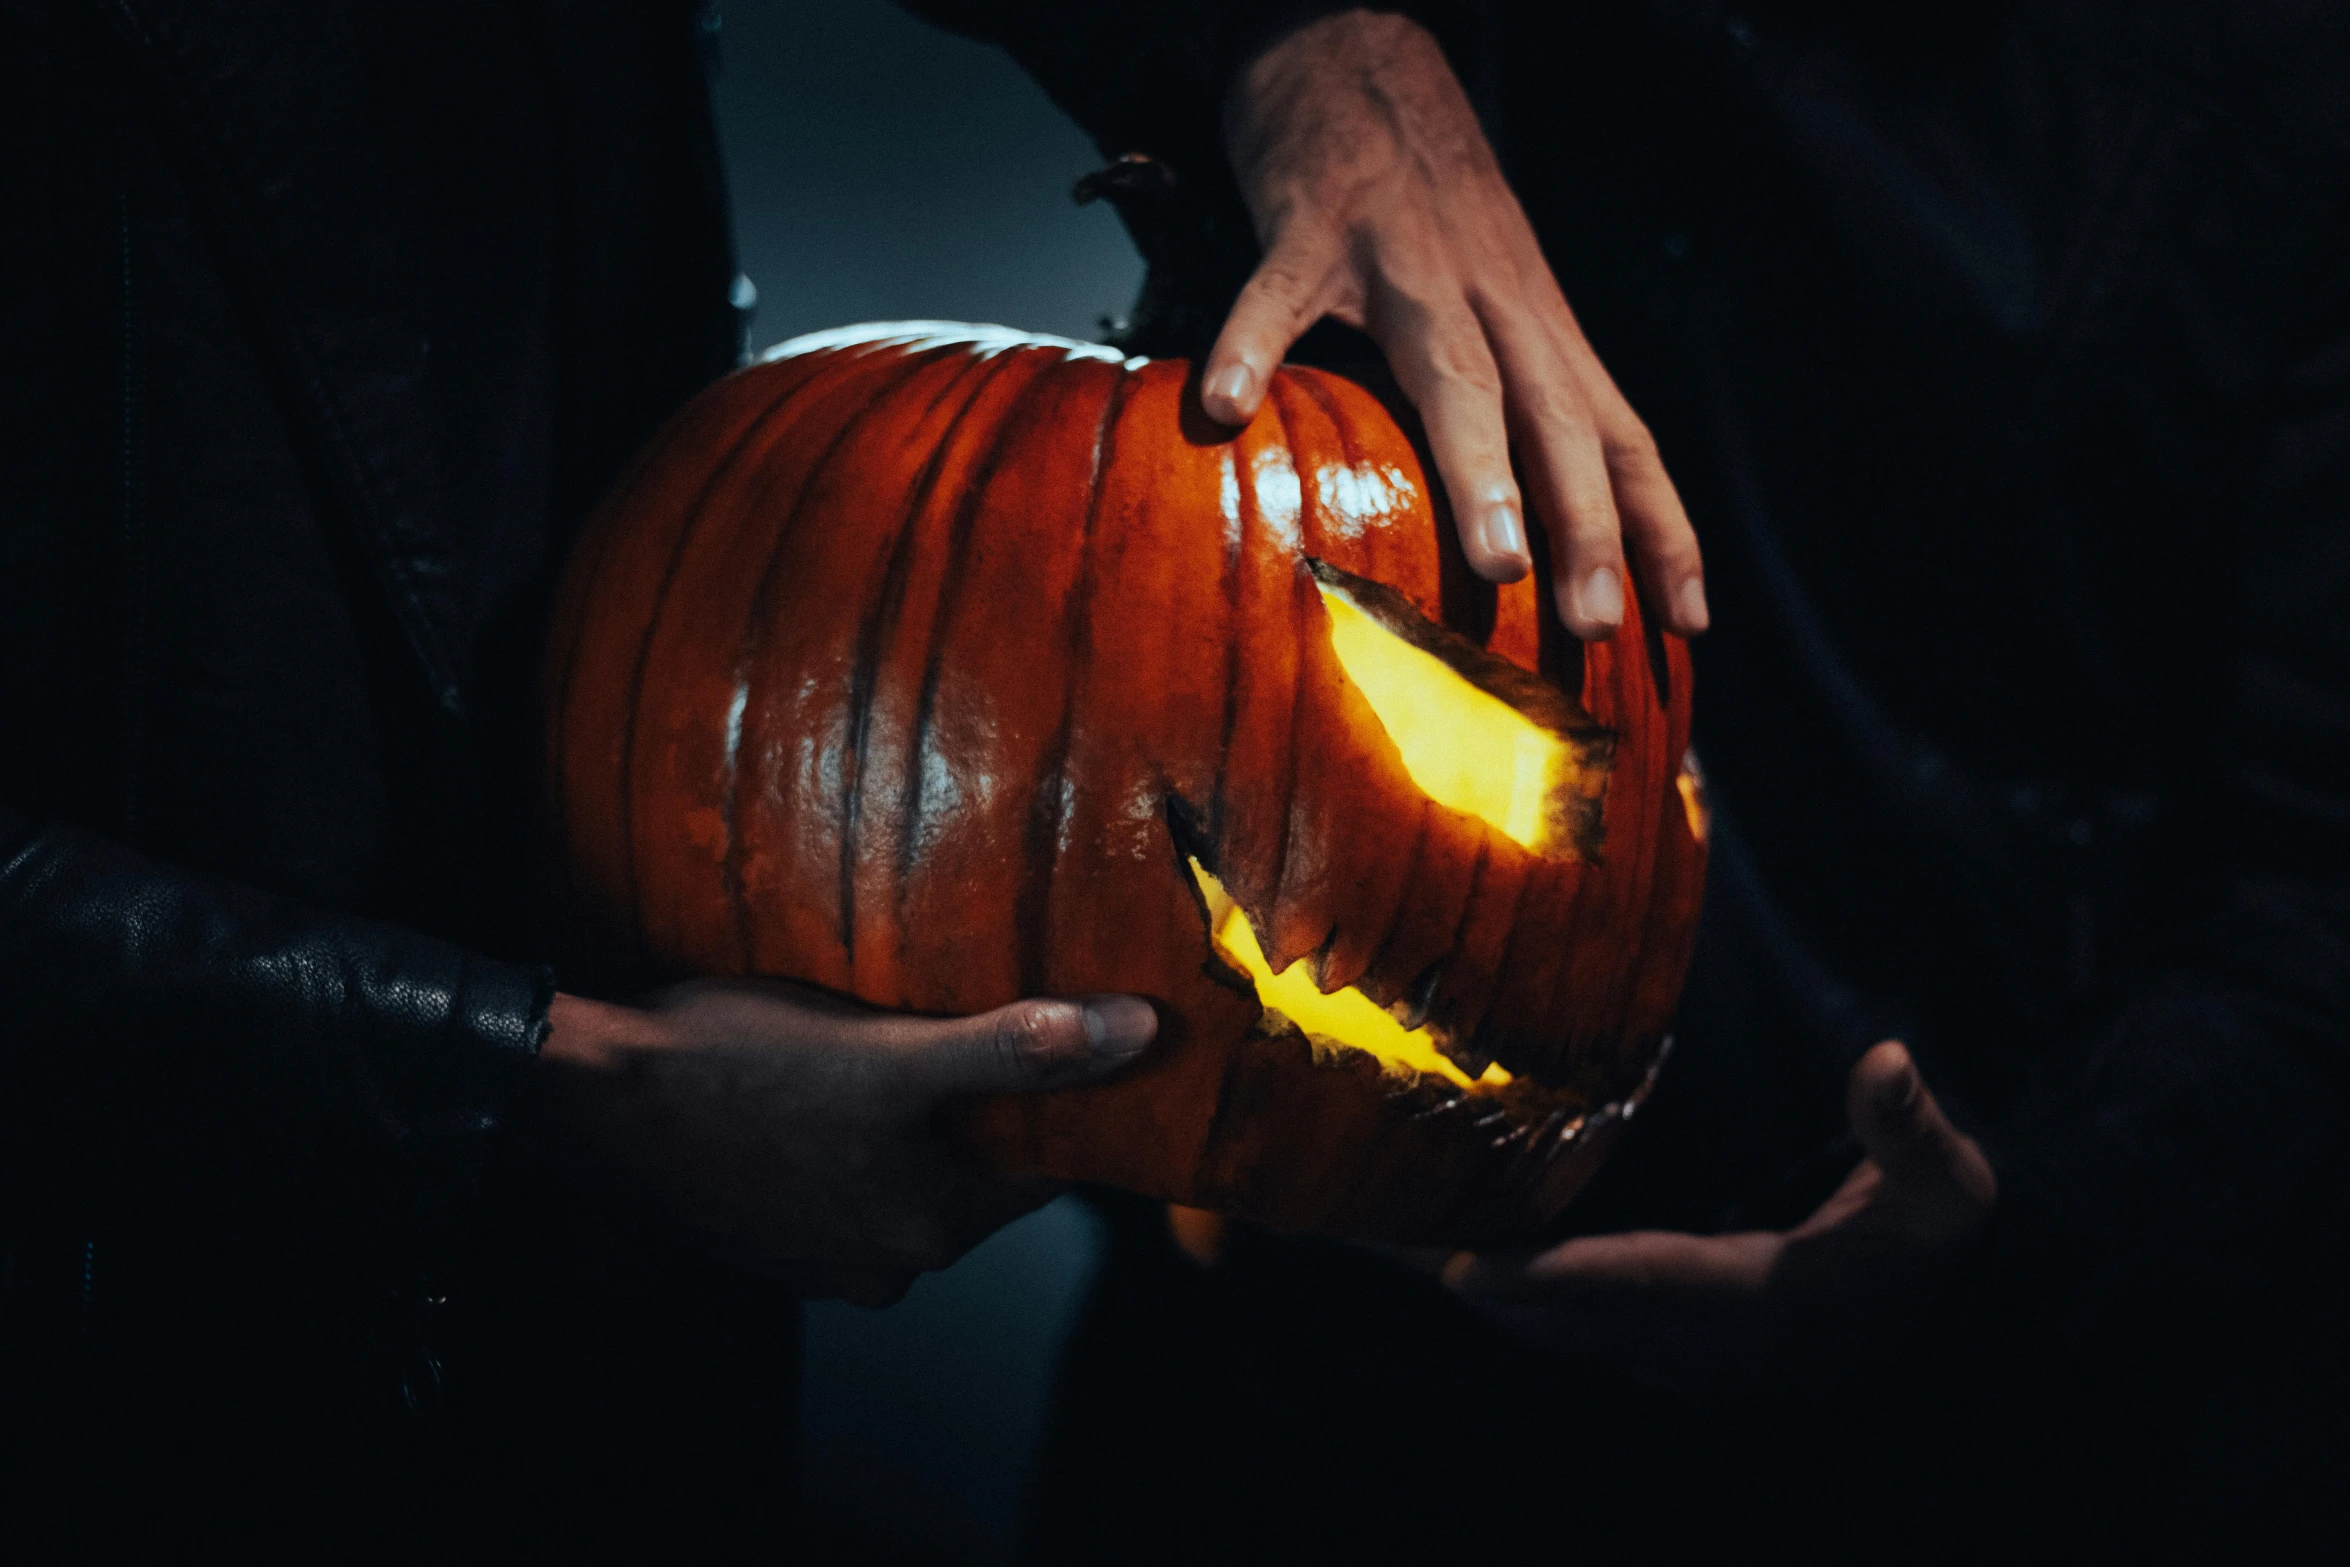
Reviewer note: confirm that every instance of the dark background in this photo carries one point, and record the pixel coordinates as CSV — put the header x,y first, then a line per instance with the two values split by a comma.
x,y
884,170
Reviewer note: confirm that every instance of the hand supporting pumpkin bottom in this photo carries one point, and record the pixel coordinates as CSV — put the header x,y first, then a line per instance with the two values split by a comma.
x,y
1767,1307
794,1131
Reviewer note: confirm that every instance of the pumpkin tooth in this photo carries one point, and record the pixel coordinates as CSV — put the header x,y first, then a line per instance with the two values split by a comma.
x,y
1422,997
1343,1019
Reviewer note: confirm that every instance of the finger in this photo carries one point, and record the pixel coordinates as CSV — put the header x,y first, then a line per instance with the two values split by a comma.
x,y
1643,1261
1027,1045
1442,362
1902,1127
1283,297
1567,464
1657,534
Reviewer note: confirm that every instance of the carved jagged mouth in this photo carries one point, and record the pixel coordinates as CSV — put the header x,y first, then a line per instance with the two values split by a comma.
x,y
1343,1019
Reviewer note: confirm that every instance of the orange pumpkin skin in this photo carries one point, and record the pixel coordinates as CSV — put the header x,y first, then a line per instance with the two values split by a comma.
x,y
911,665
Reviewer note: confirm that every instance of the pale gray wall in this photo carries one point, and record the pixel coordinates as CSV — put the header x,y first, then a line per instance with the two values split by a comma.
x,y
883,169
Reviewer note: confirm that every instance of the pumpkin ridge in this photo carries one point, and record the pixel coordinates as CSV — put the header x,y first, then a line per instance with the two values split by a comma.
x,y
1658,770
1234,555
754,628
1447,1022
1042,862
1478,1047
1297,686
1371,1156
1651,932
1322,388
873,635
1209,1160
959,531
1395,910
644,652
1310,499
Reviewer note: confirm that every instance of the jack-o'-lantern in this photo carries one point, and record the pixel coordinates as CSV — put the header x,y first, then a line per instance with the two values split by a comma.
x,y
941,666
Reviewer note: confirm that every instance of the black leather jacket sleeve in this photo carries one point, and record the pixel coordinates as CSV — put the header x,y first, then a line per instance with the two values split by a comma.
x,y
147,1015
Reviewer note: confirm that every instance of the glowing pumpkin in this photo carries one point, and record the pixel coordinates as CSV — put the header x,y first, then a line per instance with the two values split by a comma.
x,y
941,666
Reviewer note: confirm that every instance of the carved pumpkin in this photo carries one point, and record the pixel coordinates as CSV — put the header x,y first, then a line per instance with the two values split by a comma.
x,y
941,666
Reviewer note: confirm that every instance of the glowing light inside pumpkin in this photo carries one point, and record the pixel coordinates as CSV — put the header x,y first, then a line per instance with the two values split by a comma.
x,y
1342,1017
1692,784
1466,748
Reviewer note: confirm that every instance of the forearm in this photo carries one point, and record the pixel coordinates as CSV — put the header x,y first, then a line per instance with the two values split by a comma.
x,y
140,998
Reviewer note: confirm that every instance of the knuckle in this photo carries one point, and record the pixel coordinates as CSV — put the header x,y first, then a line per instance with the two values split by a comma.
x,y
1671,547
1021,1040
1553,407
1590,526
1632,444
1458,355
1286,283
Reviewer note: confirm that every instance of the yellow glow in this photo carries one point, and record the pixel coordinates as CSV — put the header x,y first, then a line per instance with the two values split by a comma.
x,y
1692,782
1466,748
1343,1017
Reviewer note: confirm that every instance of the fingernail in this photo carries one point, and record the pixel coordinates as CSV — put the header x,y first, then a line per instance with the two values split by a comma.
x,y
1901,1094
1603,598
1689,606
1231,386
1505,539
1118,1027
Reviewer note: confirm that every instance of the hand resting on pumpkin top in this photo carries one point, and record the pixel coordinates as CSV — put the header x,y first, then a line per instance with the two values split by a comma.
x,y
1767,1308
1379,204
794,1131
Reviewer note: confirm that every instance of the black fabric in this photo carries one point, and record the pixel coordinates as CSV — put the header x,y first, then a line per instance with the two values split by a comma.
x,y
2002,353
320,328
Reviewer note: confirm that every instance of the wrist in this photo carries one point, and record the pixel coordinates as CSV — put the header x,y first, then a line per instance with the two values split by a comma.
x,y
597,1036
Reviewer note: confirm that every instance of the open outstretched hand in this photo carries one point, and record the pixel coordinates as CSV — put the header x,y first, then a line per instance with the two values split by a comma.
x,y
1768,1306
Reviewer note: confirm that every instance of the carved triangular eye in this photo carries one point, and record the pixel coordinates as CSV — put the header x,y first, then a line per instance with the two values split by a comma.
x,y
1520,758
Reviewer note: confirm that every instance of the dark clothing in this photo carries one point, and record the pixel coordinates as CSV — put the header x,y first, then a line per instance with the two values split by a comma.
x,y
2002,354
320,327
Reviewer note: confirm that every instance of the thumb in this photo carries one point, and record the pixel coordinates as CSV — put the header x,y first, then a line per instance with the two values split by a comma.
x,y
1902,1128
1027,1045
